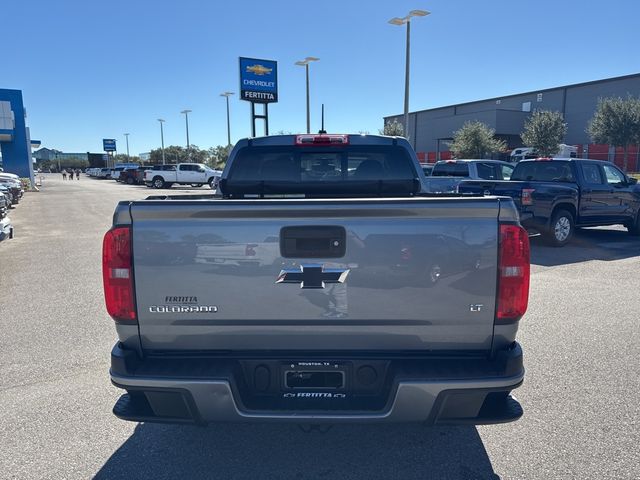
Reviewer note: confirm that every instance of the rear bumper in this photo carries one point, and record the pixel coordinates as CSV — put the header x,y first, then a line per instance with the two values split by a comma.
x,y
434,391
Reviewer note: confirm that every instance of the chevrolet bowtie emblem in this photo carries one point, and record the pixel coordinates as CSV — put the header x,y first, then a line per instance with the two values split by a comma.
x,y
259,69
312,275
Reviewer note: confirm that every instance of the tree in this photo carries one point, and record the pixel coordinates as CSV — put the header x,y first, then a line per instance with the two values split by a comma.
x,y
475,140
218,156
393,129
124,158
73,163
178,154
172,153
544,131
616,122
196,155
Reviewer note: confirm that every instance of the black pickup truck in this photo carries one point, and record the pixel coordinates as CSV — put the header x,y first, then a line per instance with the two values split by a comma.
x,y
555,195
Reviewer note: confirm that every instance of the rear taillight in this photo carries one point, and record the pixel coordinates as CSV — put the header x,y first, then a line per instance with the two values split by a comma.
x,y
527,196
117,274
513,274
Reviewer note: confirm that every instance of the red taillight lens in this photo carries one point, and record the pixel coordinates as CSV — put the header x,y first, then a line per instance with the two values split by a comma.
x,y
527,196
117,274
513,274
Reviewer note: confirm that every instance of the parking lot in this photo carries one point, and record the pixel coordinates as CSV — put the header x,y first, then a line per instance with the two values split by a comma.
x,y
581,391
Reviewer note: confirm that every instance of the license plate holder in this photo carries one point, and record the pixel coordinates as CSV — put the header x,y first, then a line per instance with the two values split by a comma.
x,y
315,376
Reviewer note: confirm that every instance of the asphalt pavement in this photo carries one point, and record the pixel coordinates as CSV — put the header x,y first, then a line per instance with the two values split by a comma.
x,y
581,393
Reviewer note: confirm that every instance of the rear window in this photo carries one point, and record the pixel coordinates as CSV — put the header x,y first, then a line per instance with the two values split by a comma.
x,y
543,171
303,164
450,169
311,170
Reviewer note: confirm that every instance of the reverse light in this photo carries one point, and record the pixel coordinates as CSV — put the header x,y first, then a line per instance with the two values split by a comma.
x,y
311,140
117,274
513,274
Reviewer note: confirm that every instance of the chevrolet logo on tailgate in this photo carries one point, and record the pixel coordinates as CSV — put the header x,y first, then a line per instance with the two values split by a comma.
x,y
313,275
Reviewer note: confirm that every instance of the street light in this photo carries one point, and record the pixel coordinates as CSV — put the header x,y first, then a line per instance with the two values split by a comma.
x,y
186,119
126,135
227,95
402,21
162,138
305,63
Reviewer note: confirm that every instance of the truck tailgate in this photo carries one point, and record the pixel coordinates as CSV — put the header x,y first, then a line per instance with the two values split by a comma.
x,y
411,274
505,188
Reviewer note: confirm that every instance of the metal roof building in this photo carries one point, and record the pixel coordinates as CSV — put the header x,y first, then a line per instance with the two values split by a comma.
x,y
430,131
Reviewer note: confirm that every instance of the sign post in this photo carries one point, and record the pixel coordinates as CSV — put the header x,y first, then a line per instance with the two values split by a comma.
x,y
259,84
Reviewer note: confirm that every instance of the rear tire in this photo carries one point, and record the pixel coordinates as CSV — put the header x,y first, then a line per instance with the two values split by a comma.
x,y
129,181
158,182
561,229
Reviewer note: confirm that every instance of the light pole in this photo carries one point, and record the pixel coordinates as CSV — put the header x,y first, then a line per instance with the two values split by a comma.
x,y
402,21
305,63
162,138
186,120
126,135
227,95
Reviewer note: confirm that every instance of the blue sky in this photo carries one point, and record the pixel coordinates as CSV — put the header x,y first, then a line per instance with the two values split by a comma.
x,y
93,70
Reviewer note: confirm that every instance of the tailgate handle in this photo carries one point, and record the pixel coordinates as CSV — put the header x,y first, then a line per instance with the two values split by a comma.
x,y
313,242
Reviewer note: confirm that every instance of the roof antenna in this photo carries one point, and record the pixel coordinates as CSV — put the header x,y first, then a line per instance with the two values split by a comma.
x,y
322,130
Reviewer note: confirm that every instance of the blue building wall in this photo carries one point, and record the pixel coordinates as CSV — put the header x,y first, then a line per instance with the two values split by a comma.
x,y
16,153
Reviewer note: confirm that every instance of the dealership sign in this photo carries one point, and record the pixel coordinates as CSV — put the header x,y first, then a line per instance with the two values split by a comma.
x,y
258,80
108,144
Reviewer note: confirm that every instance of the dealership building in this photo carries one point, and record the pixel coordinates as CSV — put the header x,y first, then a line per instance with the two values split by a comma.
x,y
431,131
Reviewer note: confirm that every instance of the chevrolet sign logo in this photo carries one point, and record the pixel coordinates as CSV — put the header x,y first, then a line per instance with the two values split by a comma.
x,y
312,275
259,69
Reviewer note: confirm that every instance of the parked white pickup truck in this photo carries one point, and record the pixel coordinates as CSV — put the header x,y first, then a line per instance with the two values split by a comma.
x,y
196,174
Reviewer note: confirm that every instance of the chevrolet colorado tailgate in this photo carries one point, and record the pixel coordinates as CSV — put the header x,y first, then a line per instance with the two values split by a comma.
x,y
413,269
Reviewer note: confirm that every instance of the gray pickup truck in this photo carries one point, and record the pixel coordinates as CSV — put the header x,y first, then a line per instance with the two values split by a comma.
x,y
320,284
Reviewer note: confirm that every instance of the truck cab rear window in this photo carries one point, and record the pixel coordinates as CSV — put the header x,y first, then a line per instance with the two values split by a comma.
x,y
543,171
310,165
450,169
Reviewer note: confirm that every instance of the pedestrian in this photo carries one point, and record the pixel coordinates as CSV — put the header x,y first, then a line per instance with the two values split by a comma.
x,y
64,174
77,174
